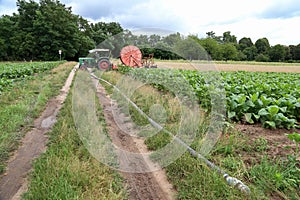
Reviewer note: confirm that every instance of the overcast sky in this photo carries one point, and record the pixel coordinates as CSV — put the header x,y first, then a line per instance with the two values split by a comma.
x,y
277,20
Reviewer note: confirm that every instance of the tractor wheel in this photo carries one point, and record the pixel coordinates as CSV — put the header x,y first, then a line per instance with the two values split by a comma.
x,y
104,64
83,67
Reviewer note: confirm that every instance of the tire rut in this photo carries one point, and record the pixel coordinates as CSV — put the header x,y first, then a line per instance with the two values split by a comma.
x,y
148,185
14,183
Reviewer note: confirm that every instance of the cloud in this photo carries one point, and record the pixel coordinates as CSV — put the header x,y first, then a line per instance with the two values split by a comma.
x,y
130,14
275,19
98,9
282,9
277,31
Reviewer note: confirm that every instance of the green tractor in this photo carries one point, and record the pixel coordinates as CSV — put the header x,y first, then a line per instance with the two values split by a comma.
x,y
98,58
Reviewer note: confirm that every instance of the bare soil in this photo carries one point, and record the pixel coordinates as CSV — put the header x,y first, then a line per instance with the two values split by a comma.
x,y
228,67
13,183
278,144
150,185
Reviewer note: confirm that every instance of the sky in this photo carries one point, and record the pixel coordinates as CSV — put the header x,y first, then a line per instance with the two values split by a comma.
x,y
277,20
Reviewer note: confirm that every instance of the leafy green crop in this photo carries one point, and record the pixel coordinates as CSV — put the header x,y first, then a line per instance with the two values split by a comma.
x,y
269,98
9,72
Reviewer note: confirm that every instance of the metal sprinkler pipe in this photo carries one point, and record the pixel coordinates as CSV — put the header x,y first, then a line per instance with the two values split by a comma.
x,y
232,181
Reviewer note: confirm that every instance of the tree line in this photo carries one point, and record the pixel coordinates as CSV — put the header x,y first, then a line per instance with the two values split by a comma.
x,y
225,47
39,30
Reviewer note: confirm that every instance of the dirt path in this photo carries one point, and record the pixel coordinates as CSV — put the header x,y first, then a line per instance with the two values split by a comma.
x,y
228,67
151,185
13,184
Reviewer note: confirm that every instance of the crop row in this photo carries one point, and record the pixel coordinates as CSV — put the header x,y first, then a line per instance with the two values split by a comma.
x,y
272,99
9,72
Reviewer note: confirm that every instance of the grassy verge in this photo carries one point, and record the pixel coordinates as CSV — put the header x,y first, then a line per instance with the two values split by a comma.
x,y
67,170
23,102
267,177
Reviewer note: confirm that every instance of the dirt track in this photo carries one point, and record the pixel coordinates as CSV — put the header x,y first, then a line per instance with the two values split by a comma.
x,y
13,184
151,185
228,67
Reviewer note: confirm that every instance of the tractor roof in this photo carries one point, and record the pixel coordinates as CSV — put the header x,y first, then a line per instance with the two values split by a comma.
x,y
96,50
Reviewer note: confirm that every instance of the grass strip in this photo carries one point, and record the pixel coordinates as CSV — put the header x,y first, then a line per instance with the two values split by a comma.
x,y
22,103
67,170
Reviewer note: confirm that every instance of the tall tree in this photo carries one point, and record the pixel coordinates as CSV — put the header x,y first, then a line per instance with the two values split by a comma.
x,y
102,31
212,35
228,51
277,53
244,43
297,52
27,14
86,41
190,49
228,38
250,52
211,46
292,52
26,37
172,39
8,44
154,39
262,46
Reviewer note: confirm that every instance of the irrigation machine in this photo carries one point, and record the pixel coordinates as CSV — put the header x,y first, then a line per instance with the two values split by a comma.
x,y
129,55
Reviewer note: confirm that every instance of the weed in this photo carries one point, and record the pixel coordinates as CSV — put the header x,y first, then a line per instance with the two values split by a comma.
x,y
67,170
295,137
22,103
277,177
260,144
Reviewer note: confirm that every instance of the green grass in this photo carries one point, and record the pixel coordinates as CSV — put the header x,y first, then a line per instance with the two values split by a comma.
x,y
22,103
67,170
267,177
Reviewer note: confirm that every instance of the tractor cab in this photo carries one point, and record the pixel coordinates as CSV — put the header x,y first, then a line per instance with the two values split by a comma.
x,y
98,58
102,58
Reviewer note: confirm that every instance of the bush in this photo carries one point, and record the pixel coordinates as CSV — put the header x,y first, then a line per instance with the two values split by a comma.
x,y
262,58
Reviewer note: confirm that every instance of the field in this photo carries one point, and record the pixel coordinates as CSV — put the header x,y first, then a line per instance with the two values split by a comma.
x,y
250,110
231,66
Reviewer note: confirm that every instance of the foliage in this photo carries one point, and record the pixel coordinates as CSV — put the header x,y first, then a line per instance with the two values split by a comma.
x,y
245,43
262,58
276,175
262,45
250,52
38,30
189,49
211,46
267,178
228,52
295,137
277,53
123,69
228,38
272,99
11,72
